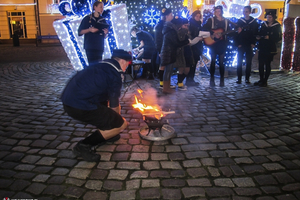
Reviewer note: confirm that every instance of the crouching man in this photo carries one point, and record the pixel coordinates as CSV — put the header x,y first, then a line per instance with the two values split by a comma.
x,y
92,96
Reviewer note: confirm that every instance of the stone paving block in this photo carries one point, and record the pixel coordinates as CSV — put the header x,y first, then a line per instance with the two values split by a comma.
x,y
146,183
118,174
157,149
213,171
171,193
190,147
283,177
24,167
85,164
56,180
14,157
92,194
98,174
106,165
243,182
139,156
170,165
198,140
191,163
223,182
178,173
197,172
217,154
64,162
31,159
41,178
79,173
74,181
4,183
139,174
150,165
273,166
247,191
270,190
250,169
225,146
74,192
129,165
120,156
286,197
140,148
55,190
151,193
200,182
198,154
112,185
219,192
60,171
159,156
265,180
94,184
36,188
173,183
208,161
295,174
179,141
176,156
291,187
173,148
205,147
190,192
259,152
21,195
119,195
133,184
24,175
244,145
159,174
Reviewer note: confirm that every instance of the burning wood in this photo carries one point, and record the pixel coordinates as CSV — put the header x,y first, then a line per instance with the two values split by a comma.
x,y
145,109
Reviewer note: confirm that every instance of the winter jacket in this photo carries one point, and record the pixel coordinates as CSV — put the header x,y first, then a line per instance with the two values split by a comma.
x,y
268,46
170,44
195,27
93,85
158,36
249,32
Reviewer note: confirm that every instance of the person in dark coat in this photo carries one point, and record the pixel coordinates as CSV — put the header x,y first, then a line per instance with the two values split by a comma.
x,y
166,16
269,35
86,98
168,52
95,29
245,40
147,44
219,47
197,49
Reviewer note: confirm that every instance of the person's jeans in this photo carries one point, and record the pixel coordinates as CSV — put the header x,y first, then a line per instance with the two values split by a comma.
x,y
249,54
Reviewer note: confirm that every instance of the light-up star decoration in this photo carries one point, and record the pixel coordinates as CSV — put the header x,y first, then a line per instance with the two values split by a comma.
x,y
152,17
67,29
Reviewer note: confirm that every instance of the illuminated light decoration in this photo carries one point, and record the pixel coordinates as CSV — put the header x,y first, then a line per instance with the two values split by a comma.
x,y
185,13
198,2
296,49
67,31
235,8
152,17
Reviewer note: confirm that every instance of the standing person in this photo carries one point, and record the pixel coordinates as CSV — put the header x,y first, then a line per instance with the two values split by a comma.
x,y
166,16
214,23
245,41
147,44
269,35
95,29
168,52
87,96
197,49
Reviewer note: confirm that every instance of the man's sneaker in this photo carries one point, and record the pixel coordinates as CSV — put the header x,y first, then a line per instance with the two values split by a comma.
x,y
257,83
85,151
247,81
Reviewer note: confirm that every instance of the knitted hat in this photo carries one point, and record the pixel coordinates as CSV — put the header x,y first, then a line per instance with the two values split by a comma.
x,y
120,53
165,11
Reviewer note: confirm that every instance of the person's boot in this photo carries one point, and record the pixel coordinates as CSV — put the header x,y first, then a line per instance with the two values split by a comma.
x,y
166,88
85,151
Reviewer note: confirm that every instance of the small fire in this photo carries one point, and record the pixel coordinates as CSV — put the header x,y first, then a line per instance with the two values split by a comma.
x,y
147,109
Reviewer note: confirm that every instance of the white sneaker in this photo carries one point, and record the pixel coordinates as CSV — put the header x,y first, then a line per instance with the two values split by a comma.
x,y
172,86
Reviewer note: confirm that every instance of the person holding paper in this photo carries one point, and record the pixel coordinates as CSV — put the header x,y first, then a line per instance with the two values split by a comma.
x,y
95,29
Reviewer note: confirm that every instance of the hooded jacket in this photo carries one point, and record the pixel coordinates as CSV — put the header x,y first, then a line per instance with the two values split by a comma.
x,y
268,46
170,44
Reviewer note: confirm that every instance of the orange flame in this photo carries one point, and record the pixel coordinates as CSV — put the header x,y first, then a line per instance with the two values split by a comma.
x,y
147,109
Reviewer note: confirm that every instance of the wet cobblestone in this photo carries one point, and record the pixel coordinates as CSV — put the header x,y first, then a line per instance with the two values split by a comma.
x,y
233,142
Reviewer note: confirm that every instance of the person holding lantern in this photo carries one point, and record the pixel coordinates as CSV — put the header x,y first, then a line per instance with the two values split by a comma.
x,y
269,35
95,29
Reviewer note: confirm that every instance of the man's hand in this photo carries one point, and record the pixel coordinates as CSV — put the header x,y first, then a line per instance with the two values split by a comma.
x,y
266,37
105,30
239,30
93,30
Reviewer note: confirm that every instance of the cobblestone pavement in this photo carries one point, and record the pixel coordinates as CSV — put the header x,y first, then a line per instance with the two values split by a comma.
x,y
233,142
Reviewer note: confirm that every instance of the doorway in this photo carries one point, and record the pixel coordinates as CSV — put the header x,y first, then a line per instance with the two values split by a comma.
x,y
17,24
